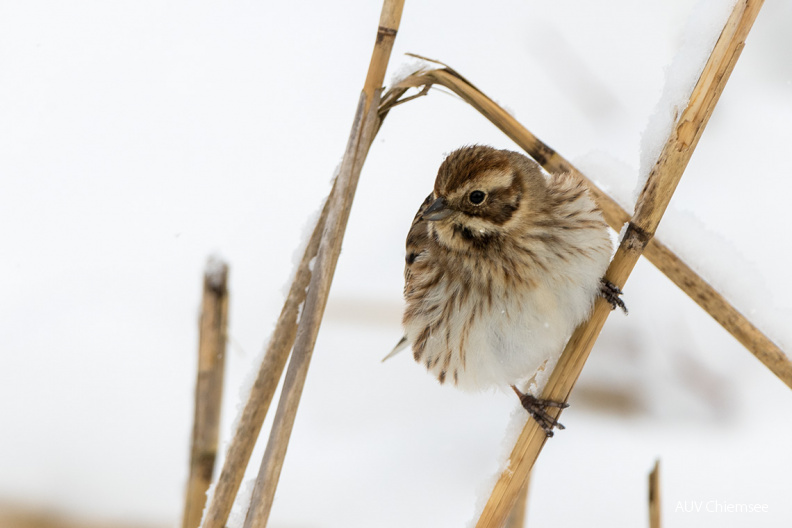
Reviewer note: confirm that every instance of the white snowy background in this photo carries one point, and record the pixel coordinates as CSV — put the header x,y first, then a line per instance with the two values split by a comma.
x,y
139,137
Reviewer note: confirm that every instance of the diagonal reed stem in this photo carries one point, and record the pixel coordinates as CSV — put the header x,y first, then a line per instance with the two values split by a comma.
x,y
518,513
656,252
364,128
285,333
263,389
649,210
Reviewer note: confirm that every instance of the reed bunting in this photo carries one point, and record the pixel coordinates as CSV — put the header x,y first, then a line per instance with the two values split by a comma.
x,y
503,262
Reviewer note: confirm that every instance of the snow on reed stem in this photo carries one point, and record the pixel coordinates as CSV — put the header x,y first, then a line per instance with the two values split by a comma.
x,y
213,327
364,128
656,252
652,203
654,496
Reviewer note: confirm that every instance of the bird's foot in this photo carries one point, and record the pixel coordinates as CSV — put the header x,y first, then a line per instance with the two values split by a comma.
x,y
611,293
537,408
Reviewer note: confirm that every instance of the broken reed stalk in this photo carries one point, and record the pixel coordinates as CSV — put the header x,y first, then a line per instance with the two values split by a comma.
x,y
656,252
654,496
213,326
652,203
364,128
263,389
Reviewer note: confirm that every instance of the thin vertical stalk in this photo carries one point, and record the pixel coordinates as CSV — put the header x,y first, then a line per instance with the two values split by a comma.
x,y
213,327
654,496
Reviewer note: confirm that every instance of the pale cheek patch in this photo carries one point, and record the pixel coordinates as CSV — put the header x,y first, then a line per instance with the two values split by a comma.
x,y
477,225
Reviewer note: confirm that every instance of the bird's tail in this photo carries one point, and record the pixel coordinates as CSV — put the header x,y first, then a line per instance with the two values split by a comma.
x,y
401,345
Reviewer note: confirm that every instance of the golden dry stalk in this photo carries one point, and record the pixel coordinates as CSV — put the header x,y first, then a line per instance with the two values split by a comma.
x,y
654,496
652,203
208,390
309,289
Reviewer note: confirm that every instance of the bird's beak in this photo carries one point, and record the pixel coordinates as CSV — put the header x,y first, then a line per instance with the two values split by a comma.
x,y
437,211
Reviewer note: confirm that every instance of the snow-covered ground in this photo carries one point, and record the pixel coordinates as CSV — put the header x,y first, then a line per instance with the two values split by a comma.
x,y
137,138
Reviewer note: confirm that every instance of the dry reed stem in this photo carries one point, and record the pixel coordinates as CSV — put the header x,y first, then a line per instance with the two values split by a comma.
x,y
263,389
517,515
656,252
654,496
651,205
364,128
208,390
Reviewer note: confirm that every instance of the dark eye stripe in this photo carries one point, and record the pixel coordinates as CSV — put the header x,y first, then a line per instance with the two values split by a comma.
x,y
501,213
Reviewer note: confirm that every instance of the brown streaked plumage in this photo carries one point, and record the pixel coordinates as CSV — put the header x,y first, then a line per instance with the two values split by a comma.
x,y
503,262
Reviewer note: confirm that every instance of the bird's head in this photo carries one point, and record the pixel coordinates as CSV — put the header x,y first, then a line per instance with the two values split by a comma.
x,y
481,194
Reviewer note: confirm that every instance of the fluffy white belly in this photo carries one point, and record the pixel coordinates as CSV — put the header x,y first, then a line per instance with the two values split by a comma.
x,y
504,343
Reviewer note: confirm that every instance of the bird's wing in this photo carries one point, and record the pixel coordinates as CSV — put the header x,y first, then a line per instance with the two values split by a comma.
x,y
417,240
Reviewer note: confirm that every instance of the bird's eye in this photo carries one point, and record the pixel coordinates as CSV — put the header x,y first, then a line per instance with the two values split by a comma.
x,y
476,197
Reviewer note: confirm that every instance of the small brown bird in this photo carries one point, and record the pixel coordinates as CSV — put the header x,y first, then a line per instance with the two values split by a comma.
x,y
503,262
